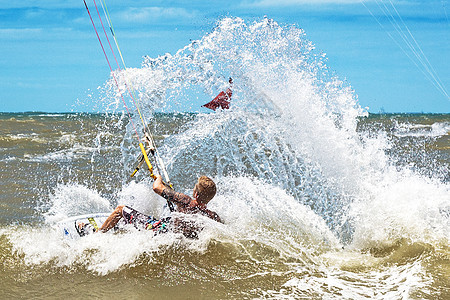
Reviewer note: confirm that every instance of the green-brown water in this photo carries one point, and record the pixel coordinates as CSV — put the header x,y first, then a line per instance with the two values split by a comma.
x,y
277,241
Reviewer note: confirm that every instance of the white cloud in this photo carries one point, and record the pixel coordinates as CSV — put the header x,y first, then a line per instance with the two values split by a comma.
x,y
19,33
151,14
41,4
34,34
266,3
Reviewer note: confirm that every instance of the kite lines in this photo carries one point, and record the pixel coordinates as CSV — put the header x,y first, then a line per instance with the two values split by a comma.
x,y
407,42
148,137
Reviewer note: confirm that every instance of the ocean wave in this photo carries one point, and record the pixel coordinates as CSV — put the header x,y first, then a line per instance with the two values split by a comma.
x,y
8,158
16,120
288,233
76,152
51,115
375,282
407,207
434,130
67,139
60,155
268,236
255,266
29,137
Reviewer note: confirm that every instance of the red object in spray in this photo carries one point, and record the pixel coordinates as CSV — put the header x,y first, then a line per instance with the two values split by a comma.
x,y
222,100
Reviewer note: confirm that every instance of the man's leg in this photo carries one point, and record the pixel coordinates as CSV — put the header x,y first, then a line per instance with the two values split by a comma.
x,y
113,219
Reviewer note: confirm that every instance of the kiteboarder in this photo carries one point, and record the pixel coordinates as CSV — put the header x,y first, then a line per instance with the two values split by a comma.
x,y
204,191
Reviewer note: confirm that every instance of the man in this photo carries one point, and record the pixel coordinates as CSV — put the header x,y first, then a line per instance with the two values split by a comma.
x,y
204,191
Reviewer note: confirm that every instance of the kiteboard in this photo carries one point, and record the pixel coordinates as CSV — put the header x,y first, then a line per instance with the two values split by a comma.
x,y
78,226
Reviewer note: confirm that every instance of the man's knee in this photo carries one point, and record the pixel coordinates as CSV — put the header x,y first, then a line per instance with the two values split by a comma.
x,y
119,209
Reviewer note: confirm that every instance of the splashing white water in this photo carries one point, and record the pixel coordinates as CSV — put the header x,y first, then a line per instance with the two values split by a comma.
x,y
292,124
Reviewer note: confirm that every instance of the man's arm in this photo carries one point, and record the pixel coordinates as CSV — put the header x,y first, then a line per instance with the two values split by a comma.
x,y
169,194
158,185
177,198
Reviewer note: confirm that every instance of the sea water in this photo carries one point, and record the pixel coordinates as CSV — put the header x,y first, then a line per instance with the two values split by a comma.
x,y
319,198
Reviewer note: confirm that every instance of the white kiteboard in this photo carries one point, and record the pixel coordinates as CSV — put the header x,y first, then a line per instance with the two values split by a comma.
x,y
73,227
82,225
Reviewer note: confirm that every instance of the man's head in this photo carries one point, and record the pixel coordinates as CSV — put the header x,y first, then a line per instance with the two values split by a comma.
x,y
205,190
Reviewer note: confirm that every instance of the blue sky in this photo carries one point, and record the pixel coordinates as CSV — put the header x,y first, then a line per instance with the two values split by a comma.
x,y
50,56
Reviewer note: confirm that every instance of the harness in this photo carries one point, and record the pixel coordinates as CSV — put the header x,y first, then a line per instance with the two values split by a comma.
x,y
158,226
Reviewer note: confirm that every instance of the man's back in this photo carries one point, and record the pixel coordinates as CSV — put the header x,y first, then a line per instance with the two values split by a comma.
x,y
186,204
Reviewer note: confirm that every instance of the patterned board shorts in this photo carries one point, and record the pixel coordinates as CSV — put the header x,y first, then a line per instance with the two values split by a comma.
x,y
142,221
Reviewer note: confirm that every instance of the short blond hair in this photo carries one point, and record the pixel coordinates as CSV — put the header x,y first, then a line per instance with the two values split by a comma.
x,y
206,189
